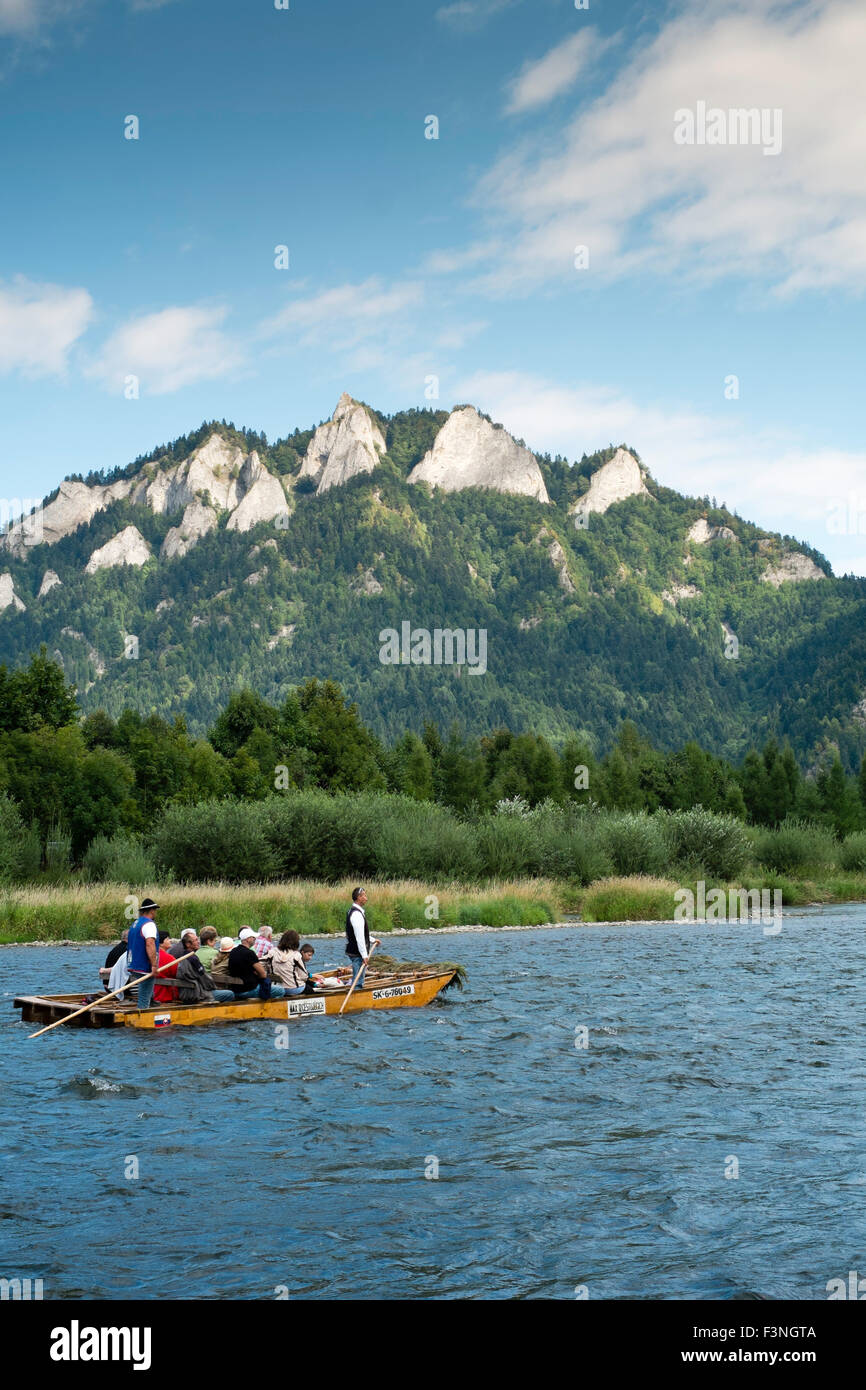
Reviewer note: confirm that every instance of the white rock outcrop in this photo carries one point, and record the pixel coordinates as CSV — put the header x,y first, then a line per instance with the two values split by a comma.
x,y
74,505
216,477
8,596
678,591
285,634
617,479
211,473
344,446
366,583
128,547
470,452
702,532
198,519
262,497
792,569
50,580
558,558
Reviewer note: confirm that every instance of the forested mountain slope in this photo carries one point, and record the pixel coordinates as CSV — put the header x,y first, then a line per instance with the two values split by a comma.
x,y
603,594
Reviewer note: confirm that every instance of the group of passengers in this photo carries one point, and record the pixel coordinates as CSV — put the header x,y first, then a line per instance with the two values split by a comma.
x,y
198,968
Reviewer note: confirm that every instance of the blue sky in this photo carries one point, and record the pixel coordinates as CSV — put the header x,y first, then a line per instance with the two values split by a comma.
x,y
451,257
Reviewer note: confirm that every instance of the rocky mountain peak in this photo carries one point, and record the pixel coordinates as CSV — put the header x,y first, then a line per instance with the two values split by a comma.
x,y
344,446
470,452
617,479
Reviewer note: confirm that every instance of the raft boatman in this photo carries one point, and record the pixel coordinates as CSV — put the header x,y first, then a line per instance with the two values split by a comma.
x,y
358,935
143,950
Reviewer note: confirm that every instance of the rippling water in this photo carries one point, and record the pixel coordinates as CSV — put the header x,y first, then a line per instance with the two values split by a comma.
x,y
303,1169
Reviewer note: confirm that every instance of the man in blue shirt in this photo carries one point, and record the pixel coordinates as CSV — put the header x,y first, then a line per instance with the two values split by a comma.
x,y
143,951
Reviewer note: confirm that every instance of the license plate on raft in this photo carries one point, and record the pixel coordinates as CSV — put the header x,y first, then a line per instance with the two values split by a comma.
x,y
299,1007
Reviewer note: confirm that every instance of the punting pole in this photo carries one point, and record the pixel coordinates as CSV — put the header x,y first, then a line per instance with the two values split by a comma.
x,y
361,972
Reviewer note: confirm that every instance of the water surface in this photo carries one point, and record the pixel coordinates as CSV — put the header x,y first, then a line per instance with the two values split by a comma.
x,y
265,1169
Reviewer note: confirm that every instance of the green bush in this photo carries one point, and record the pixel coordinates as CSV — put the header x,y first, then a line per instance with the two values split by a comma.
x,y
720,844
634,843
853,852
119,858
796,846
219,840
507,846
417,839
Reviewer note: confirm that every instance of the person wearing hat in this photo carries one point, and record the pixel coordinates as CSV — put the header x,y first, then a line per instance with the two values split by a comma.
x,y
219,966
245,966
142,950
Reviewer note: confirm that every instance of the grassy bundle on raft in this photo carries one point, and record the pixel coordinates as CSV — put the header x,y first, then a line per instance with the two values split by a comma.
x,y
389,965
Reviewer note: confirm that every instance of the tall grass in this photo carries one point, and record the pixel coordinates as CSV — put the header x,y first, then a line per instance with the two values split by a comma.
x,y
97,911
637,898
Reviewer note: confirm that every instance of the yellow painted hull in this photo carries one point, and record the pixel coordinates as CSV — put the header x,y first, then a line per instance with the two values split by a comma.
x,y
396,992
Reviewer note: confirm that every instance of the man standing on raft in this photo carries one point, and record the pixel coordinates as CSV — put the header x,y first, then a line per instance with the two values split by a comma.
x,y
358,936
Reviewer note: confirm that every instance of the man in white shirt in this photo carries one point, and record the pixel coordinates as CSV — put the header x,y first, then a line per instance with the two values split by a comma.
x,y
358,940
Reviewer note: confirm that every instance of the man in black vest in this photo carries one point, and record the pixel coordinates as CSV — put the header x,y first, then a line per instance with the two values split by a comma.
x,y
358,936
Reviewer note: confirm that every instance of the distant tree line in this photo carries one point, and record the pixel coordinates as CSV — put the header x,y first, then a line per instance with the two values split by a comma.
x,y
71,778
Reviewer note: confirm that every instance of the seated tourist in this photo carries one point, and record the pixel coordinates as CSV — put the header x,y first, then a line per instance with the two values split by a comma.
x,y
263,944
207,951
288,965
220,964
320,981
116,953
188,942
196,986
164,993
118,974
245,966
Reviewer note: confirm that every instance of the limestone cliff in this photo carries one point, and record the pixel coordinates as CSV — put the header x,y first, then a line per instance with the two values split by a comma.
x,y
793,568
617,479
346,445
470,452
128,547
8,596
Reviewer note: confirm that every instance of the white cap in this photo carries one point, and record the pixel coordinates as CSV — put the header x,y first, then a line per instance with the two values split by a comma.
x,y
244,933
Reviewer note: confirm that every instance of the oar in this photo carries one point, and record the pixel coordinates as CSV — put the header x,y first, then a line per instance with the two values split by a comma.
x,y
361,972
104,997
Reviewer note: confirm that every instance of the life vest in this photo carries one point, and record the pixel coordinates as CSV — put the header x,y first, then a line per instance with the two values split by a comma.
x,y
136,949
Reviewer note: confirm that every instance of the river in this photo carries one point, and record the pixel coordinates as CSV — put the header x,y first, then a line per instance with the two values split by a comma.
x,y
706,1142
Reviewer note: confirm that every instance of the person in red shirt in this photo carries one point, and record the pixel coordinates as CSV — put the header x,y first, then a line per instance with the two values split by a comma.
x,y
165,994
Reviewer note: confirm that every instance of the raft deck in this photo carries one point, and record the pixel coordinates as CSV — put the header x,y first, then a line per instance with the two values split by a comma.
x,y
400,991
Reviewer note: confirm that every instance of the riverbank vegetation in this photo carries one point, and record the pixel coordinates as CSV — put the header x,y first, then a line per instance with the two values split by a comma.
x,y
304,793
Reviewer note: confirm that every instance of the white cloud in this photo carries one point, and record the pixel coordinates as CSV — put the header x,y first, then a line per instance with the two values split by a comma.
x,y
39,324
167,350
345,315
613,177
548,77
764,475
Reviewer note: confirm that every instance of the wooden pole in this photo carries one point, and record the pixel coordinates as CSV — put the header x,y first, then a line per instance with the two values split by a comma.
x,y
104,997
361,972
